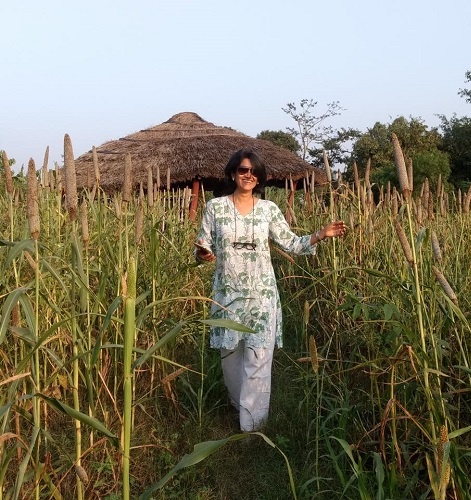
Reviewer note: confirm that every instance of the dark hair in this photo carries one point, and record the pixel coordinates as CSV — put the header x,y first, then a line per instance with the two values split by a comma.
x,y
258,167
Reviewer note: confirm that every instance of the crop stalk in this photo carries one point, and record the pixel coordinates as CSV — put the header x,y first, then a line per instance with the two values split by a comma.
x,y
129,333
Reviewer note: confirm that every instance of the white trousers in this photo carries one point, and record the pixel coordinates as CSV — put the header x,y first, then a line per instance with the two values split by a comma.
x,y
247,375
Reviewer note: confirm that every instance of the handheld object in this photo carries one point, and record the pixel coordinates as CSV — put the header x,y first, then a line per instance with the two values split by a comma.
x,y
202,248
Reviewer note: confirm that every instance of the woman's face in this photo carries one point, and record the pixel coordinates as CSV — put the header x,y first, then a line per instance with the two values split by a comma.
x,y
244,179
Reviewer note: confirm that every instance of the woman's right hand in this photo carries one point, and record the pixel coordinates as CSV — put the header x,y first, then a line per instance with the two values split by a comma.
x,y
203,253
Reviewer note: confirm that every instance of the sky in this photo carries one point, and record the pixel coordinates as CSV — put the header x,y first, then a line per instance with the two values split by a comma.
x,y
103,69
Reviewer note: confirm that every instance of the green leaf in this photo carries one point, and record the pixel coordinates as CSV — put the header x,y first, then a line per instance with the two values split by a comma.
x,y
12,299
433,476
24,463
348,451
389,310
164,340
29,313
204,450
374,272
46,265
464,368
5,408
85,419
24,334
379,470
109,314
53,490
356,311
17,249
459,432
423,232
200,452
38,343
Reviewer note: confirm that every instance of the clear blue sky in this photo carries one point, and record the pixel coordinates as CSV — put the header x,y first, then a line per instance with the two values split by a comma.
x,y
104,69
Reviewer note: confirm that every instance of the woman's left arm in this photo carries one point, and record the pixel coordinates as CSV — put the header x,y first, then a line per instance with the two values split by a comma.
x,y
333,229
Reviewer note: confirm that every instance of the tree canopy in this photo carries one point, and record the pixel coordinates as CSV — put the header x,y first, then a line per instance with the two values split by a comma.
x,y
280,138
338,148
311,128
435,152
419,143
456,143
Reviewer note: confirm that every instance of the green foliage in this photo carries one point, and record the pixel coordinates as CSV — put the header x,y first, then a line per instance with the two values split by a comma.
x,y
357,423
418,143
430,164
466,93
280,138
311,128
413,135
374,144
203,450
426,164
457,144
338,148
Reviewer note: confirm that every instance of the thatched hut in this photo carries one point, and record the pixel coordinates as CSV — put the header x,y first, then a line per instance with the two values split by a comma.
x,y
186,150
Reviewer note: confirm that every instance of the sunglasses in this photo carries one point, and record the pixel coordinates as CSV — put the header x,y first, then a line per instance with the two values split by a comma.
x,y
245,170
238,245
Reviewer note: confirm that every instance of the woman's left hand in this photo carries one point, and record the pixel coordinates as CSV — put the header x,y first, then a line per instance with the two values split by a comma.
x,y
334,229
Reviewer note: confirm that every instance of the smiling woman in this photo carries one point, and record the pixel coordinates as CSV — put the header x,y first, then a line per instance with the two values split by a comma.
x,y
235,232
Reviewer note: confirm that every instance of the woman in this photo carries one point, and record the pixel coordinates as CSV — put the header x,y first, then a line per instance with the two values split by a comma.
x,y
235,232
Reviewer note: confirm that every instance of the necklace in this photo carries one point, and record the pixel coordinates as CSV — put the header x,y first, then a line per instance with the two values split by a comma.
x,y
238,245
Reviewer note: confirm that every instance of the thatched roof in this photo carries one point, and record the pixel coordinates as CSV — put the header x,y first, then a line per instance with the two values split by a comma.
x,y
192,148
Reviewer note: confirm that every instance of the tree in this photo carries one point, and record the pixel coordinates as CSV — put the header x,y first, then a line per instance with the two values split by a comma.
x,y
418,143
466,93
309,127
375,145
280,138
338,148
426,164
457,144
431,164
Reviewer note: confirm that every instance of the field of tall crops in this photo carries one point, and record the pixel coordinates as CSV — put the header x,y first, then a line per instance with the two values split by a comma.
x,y
108,388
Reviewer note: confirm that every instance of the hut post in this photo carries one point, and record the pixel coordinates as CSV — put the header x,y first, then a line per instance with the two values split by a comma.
x,y
194,199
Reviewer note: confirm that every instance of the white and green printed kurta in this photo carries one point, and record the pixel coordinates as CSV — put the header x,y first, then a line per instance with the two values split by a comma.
x,y
244,280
